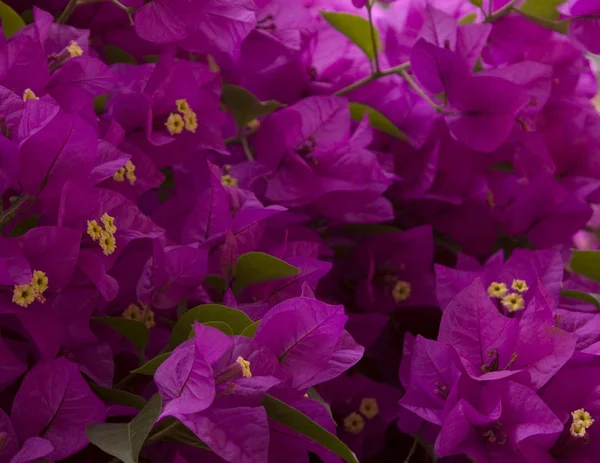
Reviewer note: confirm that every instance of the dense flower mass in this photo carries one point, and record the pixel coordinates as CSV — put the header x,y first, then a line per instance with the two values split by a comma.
x,y
282,231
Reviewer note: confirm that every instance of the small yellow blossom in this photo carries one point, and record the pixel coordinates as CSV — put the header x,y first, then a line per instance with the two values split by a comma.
x,y
401,291
29,95
130,172
175,124
74,49
23,295
182,106
354,423
578,429
94,230
149,319
513,302
191,121
108,243
119,175
39,282
228,180
519,286
583,416
109,223
133,312
245,367
496,289
369,407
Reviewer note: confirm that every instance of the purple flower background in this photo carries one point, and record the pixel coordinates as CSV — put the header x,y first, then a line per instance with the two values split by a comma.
x,y
293,231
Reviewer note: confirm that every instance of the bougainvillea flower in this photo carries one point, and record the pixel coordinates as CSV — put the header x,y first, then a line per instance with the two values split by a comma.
x,y
585,23
498,422
201,27
55,403
309,339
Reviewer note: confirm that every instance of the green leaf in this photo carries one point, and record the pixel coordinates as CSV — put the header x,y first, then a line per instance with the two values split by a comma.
x,y
377,120
150,367
118,55
125,440
258,267
217,282
100,104
468,18
11,21
236,319
288,416
587,264
221,326
174,430
544,13
119,397
314,395
133,330
591,298
477,3
250,330
357,29
244,106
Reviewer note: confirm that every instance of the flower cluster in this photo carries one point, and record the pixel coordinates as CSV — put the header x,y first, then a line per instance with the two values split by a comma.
x,y
264,231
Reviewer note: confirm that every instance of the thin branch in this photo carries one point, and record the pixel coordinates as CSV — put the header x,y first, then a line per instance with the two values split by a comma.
x,y
413,449
67,12
360,83
501,12
420,91
373,39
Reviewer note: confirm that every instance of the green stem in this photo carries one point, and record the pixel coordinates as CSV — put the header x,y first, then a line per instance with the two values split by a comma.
x,y
501,12
413,449
420,92
9,214
373,39
360,83
247,149
67,12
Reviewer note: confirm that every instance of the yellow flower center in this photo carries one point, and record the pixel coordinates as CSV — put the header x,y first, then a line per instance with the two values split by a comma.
x,y
212,64
354,423
182,106
496,289
245,364
130,172
401,291
145,315
39,282
519,286
29,95
191,121
228,180
369,407
513,302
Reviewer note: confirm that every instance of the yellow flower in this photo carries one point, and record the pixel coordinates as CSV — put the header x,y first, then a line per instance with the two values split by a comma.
x,y
119,175
94,230
228,180
182,106
109,223
191,121
519,286
369,407
513,302
29,95
23,295
245,367
108,243
401,291
354,423
496,289
39,282
74,49
175,124
133,312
